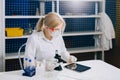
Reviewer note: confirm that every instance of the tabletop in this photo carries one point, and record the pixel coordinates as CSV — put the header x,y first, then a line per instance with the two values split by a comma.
x,y
99,71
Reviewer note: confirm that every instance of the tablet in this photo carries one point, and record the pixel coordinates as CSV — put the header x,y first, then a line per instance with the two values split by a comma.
x,y
77,67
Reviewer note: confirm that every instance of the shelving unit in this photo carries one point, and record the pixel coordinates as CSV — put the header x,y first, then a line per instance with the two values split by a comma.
x,y
56,6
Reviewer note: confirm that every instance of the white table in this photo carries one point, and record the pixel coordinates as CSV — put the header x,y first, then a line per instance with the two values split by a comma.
x,y
99,71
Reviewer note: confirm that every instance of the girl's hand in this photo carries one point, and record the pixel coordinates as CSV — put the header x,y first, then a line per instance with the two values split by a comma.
x,y
72,59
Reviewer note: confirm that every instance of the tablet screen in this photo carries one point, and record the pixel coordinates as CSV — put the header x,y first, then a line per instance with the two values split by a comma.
x,y
77,67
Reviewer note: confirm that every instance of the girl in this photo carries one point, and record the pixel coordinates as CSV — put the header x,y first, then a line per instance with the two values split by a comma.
x,y
47,41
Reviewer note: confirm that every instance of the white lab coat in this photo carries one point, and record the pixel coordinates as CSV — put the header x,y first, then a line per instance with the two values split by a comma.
x,y
105,24
40,48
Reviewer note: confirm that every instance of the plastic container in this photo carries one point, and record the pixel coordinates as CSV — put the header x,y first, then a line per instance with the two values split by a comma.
x,y
14,32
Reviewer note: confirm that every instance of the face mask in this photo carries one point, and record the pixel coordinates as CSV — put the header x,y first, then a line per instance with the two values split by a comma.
x,y
56,33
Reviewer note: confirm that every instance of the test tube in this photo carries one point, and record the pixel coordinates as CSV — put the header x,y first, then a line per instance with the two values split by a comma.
x,y
25,63
30,64
35,62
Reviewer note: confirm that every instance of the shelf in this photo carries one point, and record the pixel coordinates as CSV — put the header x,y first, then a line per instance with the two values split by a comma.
x,y
82,33
83,50
15,17
64,16
70,50
83,0
13,55
66,34
25,36
81,16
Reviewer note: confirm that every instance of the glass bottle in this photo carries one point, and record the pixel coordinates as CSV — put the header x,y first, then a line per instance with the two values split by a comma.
x,y
29,29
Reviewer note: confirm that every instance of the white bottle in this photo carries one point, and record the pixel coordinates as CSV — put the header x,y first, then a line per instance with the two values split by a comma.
x,y
42,7
37,12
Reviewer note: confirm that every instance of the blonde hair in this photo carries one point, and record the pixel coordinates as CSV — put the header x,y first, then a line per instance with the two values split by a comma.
x,y
51,20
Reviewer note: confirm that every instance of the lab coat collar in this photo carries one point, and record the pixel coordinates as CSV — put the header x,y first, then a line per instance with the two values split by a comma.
x,y
44,38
